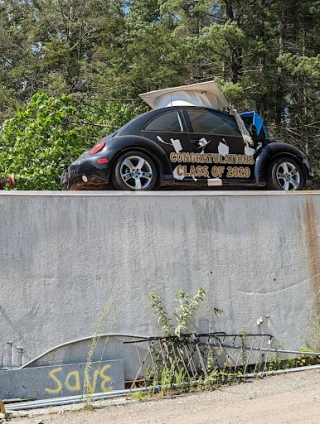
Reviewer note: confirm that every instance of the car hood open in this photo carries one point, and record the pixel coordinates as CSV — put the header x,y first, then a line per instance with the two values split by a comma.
x,y
204,94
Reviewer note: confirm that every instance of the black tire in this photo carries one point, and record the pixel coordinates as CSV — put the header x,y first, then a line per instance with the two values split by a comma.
x,y
285,173
134,171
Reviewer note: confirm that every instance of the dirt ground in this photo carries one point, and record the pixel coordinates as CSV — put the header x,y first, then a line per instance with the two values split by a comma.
x,y
290,398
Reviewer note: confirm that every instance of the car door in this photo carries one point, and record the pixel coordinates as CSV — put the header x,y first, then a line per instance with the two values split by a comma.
x,y
217,137
169,131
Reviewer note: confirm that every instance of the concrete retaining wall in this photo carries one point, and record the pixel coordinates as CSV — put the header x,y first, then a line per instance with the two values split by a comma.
x,y
65,255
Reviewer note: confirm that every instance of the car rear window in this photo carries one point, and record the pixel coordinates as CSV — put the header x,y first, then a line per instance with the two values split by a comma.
x,y
169,122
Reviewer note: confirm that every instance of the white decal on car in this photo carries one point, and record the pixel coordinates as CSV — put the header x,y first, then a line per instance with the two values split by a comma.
x,y
176,175
203,142
223,149
176,144
249,151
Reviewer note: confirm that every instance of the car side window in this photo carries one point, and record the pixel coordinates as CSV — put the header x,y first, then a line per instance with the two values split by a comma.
x,y
169,121
207,122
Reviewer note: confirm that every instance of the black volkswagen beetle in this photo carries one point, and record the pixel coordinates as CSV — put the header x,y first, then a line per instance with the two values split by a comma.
x,y
195,146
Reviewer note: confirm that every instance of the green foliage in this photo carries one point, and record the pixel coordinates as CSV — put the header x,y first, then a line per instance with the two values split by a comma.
x,y
313,333
187,307
38,142
233,92
274,362
243,347
141,396
166,380
41,140
225,37
109,315
181,378
183,313
303,65
163,317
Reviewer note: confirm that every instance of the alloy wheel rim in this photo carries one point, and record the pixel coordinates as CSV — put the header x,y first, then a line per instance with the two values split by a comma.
x,y
288,176
136,172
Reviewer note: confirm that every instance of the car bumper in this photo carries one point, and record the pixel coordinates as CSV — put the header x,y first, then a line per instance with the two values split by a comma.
x,y
88,172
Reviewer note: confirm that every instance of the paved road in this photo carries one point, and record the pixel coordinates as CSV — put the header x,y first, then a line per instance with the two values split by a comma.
x,y
292,398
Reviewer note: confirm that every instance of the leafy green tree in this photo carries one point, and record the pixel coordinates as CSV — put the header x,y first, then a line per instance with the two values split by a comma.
x,y
40,141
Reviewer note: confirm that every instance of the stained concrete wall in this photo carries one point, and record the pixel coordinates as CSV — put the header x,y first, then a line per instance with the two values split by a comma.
x,y
64,255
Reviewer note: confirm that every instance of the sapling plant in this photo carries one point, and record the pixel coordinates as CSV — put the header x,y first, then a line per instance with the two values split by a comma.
x,y
170,364
183,313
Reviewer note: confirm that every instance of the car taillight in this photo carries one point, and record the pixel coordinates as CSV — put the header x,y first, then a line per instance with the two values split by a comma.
x,y
97,148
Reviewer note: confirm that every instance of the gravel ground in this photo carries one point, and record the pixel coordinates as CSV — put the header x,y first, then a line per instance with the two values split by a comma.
x,y
290,398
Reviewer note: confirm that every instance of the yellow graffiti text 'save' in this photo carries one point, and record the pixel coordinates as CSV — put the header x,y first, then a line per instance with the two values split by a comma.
x,y
91,387
72,381
105,378
55,379
76,386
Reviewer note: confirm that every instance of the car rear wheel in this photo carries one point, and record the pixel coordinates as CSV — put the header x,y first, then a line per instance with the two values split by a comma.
x,y
134,170
285,174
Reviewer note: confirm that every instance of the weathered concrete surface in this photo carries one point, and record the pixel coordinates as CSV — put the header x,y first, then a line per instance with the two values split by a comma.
x,y
64,255
64,380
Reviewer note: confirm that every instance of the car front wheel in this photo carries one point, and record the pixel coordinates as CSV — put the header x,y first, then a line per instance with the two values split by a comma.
x,y
285,174
134,170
